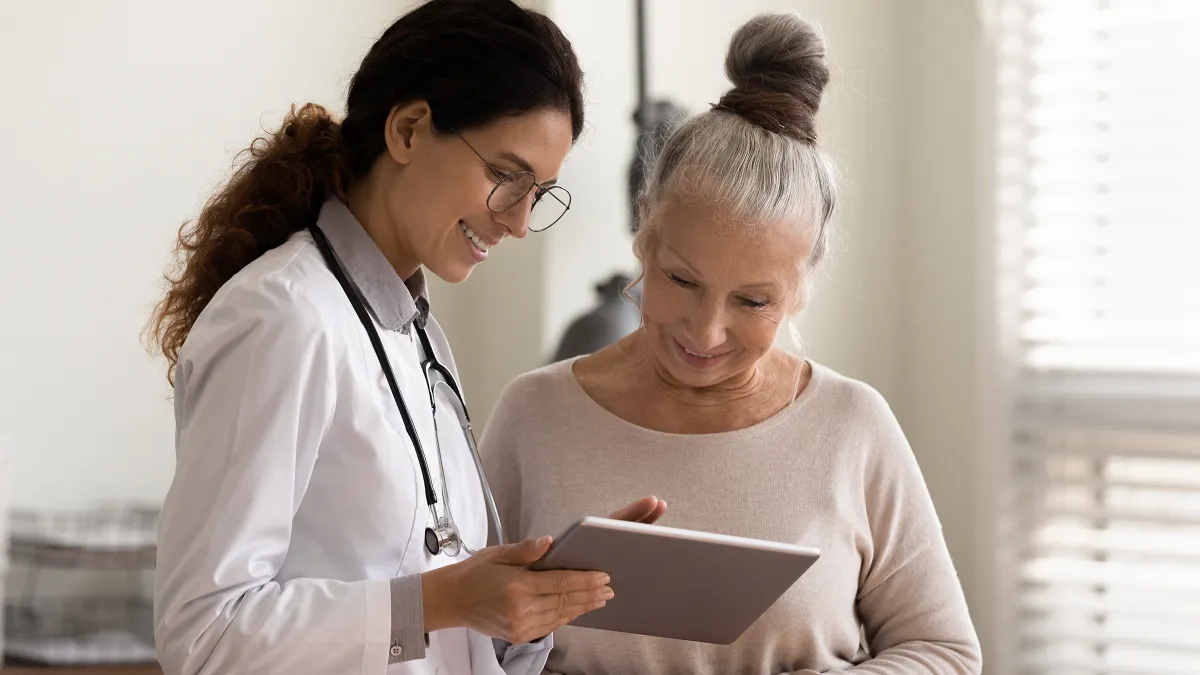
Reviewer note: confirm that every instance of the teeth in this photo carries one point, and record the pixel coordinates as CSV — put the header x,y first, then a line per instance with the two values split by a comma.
x,y
703,356
473,237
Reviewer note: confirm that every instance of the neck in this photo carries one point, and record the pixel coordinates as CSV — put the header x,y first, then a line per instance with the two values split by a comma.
x,y
366,199
739,387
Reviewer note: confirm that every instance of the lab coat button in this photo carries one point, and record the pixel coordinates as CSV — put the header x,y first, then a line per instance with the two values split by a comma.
x,y
397,650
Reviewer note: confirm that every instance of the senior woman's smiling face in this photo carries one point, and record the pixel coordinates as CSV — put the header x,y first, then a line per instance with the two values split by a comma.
x,y
715,291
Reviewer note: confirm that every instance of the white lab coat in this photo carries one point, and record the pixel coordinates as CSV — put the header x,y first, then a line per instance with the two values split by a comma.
x,y
297,494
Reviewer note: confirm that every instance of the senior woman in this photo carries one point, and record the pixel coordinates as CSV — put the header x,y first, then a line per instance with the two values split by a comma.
x,y
742,438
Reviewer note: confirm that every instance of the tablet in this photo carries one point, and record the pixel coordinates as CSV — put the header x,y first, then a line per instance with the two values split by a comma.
x,y
676,583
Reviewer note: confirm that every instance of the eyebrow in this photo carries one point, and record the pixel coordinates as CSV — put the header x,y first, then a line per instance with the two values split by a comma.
x,y
523,164
684,260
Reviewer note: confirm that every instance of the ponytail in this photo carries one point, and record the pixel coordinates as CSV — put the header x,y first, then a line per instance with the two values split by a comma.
x,y
278,189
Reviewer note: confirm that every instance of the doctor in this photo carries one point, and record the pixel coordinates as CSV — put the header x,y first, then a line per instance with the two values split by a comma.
x,y
326,514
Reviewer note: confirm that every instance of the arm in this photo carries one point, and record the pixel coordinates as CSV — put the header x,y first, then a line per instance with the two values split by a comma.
x,y
254,397
914,623
910,601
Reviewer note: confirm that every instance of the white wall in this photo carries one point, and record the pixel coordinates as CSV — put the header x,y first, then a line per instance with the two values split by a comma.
x,y
945,276
119,118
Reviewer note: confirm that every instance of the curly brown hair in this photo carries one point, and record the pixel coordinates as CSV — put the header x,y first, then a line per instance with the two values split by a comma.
x,y
280,185
473,61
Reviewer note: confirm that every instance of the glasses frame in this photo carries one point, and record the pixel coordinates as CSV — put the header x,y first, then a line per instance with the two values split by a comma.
x,y
542,190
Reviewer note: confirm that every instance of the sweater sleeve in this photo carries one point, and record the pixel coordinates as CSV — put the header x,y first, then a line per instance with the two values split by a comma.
x,y
910,601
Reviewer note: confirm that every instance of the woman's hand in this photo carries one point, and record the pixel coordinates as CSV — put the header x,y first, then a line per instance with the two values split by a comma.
x,y
492,593
645,510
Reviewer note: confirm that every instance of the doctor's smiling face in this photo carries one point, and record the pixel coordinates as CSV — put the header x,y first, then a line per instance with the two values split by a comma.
x,y
445,197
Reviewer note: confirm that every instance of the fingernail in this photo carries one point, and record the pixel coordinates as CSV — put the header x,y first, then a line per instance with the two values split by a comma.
x,y
604,580
608,594
544,541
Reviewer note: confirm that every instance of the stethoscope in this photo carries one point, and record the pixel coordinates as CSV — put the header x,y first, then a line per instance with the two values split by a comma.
x,y
443,536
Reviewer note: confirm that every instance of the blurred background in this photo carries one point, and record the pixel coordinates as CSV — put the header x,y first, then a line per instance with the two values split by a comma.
x,y
1014,269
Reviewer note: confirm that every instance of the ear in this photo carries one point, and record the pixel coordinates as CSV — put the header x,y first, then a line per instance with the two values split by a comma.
x,y
406,126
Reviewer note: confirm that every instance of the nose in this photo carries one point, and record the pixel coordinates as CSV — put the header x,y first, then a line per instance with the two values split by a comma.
x,y
515,219
709,327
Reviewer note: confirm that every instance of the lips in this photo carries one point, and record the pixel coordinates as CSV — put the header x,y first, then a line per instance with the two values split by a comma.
x,y
699,360
481,242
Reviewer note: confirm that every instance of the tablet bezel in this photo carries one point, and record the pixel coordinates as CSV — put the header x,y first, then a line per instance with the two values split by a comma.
x,y
782,561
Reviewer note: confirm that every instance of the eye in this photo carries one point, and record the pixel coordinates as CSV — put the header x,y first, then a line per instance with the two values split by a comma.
x,y
753,304
496,174
681,282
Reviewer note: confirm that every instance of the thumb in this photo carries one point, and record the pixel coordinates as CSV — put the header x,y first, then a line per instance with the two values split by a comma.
x,y
523,553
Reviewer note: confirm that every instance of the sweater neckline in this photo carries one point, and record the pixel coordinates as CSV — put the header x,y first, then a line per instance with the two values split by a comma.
x,y
782,416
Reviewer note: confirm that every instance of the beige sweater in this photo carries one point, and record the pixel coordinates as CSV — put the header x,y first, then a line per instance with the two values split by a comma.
x,y
832,470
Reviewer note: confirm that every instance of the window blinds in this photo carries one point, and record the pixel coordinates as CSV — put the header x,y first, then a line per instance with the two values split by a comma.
x,y
1098,215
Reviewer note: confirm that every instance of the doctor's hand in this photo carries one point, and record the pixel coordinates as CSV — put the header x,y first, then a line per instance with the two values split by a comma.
x,y
492,593
645,510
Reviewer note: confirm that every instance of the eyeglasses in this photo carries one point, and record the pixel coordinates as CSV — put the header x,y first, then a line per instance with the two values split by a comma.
x,y
550,202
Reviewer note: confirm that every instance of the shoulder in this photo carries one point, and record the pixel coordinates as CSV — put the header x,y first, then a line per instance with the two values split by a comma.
x,y
542,392
285,295
542,385
859,401
859,417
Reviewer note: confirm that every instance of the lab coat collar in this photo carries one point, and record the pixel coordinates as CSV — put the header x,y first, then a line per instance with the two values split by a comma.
x,y
394,302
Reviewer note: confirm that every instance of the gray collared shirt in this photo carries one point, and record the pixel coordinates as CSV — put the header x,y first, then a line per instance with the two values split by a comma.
x,y
395,303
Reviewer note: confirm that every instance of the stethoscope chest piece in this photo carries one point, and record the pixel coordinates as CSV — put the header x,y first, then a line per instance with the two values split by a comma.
x,y
443,539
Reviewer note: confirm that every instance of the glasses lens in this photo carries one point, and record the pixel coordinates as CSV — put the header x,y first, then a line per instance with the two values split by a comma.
x,y
510,190
549,206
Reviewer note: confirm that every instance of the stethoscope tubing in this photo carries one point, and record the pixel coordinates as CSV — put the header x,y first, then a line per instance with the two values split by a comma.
x,y
431,363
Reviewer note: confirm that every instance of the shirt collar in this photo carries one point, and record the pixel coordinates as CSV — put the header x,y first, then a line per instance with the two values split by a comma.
x,y
394,302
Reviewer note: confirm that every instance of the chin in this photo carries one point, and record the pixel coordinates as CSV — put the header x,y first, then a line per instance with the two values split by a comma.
x,y
453,273
695,380
458,275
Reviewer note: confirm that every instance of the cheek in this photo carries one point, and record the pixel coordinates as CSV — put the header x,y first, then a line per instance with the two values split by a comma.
x,y
454,200
447,193
757,333
662,302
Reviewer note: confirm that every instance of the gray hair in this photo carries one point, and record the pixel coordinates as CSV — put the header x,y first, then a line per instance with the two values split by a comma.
x,y
754,156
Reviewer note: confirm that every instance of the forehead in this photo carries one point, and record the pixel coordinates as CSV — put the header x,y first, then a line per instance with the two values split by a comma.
x,y
722,248
541,137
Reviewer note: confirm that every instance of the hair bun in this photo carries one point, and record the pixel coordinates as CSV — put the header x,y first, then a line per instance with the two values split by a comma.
x,y
777,65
